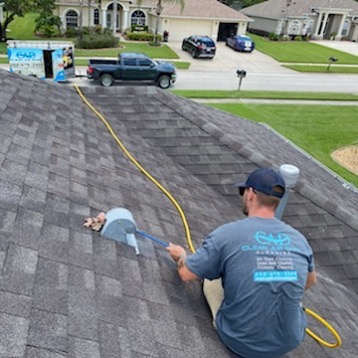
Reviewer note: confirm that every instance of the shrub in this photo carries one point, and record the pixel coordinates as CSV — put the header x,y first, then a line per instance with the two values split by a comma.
x,y
72,32
142,36
97,41
48,31
107,31
273,37
98,29
140,28
48,25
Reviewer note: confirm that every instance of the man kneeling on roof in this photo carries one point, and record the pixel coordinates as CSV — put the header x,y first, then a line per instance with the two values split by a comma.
x,y
255,272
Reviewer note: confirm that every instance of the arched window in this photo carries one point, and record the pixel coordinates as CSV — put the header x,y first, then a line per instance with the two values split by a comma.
x,y
71,18
96,17
111,7
138,18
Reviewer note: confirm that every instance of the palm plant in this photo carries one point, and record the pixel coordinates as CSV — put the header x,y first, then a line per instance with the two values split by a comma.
x,y
158,11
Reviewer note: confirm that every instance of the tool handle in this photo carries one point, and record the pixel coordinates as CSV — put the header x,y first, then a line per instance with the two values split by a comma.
x,y
160,242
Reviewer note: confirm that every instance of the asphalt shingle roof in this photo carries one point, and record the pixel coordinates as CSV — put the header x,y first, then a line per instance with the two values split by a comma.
x,y
66,291
282,8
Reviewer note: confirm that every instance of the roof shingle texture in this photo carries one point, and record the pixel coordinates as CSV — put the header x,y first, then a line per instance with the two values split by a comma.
x,y
282,8
66,291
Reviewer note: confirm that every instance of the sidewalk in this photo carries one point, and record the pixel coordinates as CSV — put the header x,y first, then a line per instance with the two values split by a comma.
x,y
275,101
345,46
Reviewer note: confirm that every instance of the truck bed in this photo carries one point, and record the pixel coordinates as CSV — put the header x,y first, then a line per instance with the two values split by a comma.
x,y
100,61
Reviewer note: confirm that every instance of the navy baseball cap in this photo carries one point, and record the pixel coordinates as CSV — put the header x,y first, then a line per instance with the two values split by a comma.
x,y
264,180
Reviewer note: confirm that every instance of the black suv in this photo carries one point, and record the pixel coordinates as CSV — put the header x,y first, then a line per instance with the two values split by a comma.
x,y
199,46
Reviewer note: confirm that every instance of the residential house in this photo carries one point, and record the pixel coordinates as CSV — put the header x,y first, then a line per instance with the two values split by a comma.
x,y
321,19
204,17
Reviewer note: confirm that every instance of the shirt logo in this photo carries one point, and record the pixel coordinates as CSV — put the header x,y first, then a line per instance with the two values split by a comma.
x,y
269,239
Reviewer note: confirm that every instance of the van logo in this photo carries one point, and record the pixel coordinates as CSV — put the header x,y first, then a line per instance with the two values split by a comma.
x,y
25,55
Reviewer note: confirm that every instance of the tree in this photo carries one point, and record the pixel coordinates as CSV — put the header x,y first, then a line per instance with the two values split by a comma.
x,y
47,23
11,9
158,11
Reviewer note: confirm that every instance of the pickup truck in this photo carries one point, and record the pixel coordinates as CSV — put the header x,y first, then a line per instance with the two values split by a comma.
x,y
131,67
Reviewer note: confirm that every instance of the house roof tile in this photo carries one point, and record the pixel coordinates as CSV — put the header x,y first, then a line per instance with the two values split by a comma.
x,y
282,8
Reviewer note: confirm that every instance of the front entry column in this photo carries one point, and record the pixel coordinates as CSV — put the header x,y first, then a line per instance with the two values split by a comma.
x,y
340,28
104,18
318,24
124,20
321,34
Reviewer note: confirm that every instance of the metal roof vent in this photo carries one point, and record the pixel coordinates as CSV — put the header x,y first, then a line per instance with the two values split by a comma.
x,y
290,174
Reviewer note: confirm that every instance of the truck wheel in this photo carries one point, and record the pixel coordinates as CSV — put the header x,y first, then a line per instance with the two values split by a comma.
x,y
106,80
164,81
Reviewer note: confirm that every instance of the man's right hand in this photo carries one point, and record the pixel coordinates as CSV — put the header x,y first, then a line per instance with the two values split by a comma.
x,y
176,252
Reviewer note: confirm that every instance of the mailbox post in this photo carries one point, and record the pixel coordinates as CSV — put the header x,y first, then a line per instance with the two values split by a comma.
x,y
331,59
241,74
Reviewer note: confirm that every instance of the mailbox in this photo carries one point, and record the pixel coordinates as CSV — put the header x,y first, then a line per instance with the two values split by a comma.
x,y
331,59
241,73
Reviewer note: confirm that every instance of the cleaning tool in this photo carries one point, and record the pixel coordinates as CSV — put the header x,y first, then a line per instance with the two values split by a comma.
x,y
120,226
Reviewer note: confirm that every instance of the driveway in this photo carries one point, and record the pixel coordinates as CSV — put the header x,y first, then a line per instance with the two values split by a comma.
x,y
228,60
345,46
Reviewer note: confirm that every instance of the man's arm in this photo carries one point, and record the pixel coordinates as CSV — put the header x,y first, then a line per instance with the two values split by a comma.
x,y
311,280
178,254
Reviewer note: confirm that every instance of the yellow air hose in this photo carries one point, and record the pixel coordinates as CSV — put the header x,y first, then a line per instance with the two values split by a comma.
x,y
186,226
328,326
138,165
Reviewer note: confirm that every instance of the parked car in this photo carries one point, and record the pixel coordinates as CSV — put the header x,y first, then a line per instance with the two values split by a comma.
x,y
131,67
241,43
199,46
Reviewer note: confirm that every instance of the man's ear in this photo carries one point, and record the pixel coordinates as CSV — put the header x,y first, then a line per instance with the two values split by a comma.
x,y
250,194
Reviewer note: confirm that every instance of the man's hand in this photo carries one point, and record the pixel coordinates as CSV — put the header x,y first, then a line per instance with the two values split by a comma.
x,y
176,252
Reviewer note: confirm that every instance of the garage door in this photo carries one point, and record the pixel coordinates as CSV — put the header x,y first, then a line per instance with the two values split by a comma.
x,y
178,29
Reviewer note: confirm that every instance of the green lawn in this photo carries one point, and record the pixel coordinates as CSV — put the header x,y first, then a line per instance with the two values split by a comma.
x,y
319,130
323,96
22,28
156,52
301,51
323,68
